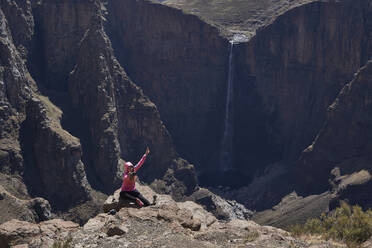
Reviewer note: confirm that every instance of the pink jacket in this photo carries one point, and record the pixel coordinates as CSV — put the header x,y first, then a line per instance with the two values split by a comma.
x,y
128,184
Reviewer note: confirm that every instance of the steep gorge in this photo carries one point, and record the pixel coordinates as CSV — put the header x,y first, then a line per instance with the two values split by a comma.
x,y
65,48
79,54
287,75
82,75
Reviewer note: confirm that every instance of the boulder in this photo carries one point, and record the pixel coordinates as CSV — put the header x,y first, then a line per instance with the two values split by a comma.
x,y
16,232
221,208
33,210
116,230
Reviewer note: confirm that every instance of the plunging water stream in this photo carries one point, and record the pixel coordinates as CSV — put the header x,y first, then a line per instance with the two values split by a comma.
x,y
226,153
226,158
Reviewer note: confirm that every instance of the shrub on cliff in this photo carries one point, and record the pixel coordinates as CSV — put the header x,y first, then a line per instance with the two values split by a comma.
x,y
349,224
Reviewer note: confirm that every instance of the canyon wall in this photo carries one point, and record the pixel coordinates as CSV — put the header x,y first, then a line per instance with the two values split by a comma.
x,y
287,75
85,85
102,107
181,63
69,113
290,72
345,139
34,146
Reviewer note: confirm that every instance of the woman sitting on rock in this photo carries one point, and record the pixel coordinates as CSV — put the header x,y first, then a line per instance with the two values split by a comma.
x,y
128,189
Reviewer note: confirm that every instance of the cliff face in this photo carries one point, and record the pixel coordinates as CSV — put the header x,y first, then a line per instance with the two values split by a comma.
x,y
291,71
345,139
287,74
59,27
56,147
15,90
101,105
121,120
181,64
33,144
78,53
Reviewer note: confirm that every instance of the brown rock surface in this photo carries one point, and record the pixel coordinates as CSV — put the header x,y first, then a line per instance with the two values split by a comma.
x,y
167,224
17,232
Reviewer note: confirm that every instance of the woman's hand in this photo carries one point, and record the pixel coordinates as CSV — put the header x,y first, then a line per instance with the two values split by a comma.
x,y
147,150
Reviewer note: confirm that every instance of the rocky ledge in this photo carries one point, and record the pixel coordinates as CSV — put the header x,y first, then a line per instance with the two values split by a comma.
x,y
166,224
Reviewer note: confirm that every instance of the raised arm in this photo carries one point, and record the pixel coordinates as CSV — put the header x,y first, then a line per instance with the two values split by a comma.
x,y
140,163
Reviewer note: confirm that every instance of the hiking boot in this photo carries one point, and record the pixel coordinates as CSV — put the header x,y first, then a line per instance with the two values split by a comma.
x,y
154,198
139,203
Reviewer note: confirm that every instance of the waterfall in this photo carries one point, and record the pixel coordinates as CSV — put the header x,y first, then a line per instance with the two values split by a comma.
x,y
226,153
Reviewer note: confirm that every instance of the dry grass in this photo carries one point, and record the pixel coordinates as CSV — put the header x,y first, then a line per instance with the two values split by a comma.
x,y
252,236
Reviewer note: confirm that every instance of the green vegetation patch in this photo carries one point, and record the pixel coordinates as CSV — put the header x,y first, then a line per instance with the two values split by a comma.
x,y
349,224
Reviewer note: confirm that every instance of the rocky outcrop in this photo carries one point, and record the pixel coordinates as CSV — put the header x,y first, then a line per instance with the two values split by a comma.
x,y
168,223
345,139
221,208
16,232
54,168
33,210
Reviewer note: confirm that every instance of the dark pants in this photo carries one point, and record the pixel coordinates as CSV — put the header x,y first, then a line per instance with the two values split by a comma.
x,y
133,195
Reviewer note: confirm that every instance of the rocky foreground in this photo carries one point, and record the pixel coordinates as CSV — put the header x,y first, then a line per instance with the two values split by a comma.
x,y
167,224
